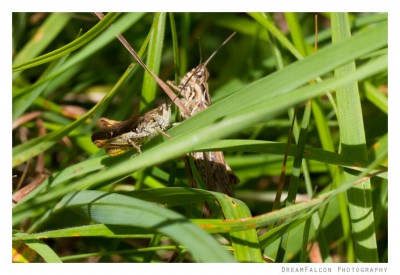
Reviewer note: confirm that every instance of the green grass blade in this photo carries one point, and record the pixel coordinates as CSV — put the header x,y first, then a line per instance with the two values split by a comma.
x,y
74,45
175,47
375,97
296,32
22,103
276,148
269,25
153,61
244,243
295,176
43,250
92,230
106,37
115,209
53,25
353,144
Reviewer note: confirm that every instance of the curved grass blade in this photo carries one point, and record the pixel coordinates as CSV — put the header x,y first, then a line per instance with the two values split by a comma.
x,y
43,250
107,36
118,209
72,46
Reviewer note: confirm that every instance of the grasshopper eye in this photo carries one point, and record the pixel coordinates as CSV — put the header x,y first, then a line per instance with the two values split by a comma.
x,y
160,109
200,73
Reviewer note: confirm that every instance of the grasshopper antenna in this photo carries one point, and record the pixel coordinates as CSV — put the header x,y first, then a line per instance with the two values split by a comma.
x,y
217,50
203,65
201,53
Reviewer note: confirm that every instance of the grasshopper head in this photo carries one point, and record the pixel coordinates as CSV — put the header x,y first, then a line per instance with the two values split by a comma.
x,y
201,74
163,117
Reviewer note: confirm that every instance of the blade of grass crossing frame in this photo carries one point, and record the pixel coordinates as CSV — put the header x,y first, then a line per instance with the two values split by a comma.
x,y
352,138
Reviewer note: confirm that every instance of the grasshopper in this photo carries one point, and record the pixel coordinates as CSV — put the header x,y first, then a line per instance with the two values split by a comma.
x,y
212,167
117,137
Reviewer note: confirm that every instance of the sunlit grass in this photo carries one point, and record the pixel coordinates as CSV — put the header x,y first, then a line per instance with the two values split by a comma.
x,y
255,81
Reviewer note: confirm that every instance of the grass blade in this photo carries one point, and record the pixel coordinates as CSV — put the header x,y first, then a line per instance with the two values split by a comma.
x,y
74,45
53,25
353,144
153,61
118,209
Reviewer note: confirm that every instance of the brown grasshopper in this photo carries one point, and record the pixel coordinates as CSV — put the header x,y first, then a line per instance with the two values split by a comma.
x,y
212,167
120,136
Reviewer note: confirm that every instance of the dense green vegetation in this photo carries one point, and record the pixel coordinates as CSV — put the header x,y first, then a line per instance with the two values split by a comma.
x,y
69,70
